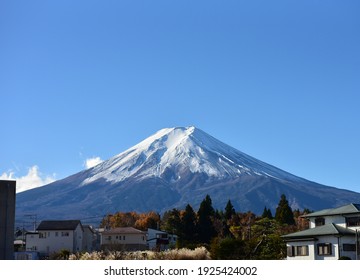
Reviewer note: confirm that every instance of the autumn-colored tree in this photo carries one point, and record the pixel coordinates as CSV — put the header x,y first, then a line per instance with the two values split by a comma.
x,y
120,219
241,227
141,221
300,222
148,220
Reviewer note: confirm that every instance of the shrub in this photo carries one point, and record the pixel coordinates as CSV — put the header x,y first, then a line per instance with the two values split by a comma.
x,y
61,255
176,254
227,249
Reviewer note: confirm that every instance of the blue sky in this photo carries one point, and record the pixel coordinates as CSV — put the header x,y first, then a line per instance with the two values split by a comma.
x,y
278,80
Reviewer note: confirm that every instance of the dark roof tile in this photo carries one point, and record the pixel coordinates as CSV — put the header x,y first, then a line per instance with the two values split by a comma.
x,y
59,225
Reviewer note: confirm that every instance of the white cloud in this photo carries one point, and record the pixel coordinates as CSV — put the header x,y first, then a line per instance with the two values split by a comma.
x,y
91,162
33,179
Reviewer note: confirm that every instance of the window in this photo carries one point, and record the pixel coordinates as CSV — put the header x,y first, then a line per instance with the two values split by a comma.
x,y
56,234
302,250
293,251
324,249
352,221
349,247
319,222
123,237
42,234
65,233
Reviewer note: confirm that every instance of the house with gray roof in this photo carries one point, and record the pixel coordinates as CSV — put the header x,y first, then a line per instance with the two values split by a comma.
x,y
332,234
123,239
56,235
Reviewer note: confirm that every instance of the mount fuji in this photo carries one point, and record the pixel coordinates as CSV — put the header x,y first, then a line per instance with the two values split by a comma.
x,y
170,169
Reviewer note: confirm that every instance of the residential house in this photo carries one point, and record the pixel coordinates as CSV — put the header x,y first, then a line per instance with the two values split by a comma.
x,y
332,234
123,238
54,236
89,239
160,240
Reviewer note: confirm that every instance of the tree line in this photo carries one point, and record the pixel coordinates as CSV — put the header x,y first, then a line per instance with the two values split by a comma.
x,y
227,234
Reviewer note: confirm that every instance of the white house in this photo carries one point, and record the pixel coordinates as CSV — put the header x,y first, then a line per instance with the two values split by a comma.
x,y
160,240
332,234
54,236
123,238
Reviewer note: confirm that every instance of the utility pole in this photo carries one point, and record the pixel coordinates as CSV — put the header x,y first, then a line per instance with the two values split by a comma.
x,y
33,217
357,244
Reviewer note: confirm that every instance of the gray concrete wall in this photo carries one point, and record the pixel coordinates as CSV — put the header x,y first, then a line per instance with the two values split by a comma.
x,y
7,219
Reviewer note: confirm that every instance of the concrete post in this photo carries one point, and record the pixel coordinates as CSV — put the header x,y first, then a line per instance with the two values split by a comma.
x,y
7,219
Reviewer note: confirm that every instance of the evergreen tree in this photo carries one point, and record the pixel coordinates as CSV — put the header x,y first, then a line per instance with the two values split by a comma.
x,y
266,242
172,221
229,210
206,230
227,219
187,234
267,213
284,214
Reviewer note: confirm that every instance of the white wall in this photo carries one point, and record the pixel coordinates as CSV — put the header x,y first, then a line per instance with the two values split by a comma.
x,y
311,247
118,238
336,247
347,240
54,241
339,220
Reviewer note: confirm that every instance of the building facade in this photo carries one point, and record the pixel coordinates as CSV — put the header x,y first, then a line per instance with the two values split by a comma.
x,y
53,236
123,238
160,240
332,234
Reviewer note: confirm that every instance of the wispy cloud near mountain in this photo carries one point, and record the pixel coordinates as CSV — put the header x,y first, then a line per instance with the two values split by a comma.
x,y
33,179
91,162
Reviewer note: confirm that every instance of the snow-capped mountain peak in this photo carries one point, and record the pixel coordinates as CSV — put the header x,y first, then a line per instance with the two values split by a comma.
x,y
180,149
173,168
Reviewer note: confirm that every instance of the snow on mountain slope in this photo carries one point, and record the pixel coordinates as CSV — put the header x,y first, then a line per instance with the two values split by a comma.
x,y
173,168
180,149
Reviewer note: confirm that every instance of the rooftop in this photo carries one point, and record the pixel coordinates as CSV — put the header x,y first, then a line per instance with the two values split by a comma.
x,y
123,230
351,208
59,225
328,229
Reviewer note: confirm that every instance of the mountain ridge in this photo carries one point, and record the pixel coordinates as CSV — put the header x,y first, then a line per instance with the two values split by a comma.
x,y
174,167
